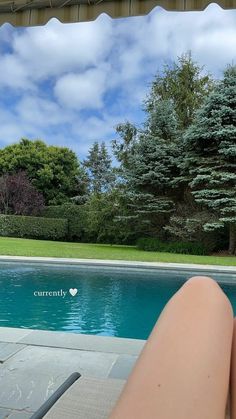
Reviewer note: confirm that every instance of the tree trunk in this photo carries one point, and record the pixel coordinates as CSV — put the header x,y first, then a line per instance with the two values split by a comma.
x,y
232,239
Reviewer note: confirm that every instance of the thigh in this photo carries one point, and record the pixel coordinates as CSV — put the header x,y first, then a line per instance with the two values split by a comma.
x,y
233,376
183,370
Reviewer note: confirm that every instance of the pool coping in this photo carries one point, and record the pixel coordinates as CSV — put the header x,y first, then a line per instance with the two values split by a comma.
x,y
73,341
120,263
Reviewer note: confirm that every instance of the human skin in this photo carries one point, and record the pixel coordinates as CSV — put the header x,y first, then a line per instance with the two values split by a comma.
x,y
233,376
183,371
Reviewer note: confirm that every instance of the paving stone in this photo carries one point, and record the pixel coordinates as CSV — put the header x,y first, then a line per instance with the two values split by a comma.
x,y
34,373
20,415
12,334
3,345
4,413
9,349
40,361
123,367
84,342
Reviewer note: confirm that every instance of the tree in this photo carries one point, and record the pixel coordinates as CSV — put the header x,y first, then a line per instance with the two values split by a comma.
x,y
210,160
184,83
105,221
124,144
18,196
99,169
150,165
54,171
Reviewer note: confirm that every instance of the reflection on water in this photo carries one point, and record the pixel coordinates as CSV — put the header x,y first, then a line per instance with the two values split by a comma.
x,y
122,302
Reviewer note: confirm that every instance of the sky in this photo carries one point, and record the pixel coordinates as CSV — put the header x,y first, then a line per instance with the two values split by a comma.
x,y
71,84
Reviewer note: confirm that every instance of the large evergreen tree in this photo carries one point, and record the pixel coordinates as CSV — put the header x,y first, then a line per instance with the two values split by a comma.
x,y
98,166
150,165
210,160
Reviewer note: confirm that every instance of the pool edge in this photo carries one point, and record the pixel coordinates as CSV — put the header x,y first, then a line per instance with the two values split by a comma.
x,y
72,341
119,263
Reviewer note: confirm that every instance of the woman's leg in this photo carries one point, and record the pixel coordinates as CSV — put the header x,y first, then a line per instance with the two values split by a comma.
x,y
233,376
183,370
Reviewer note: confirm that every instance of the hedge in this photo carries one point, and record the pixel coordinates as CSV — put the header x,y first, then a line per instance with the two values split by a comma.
x,y
76,216
155,245
33,227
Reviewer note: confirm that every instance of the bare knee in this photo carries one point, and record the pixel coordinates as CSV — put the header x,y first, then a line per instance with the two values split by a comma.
x,y
202,283
204,287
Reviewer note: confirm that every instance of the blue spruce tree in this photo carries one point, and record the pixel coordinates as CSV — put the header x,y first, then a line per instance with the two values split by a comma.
x,y
210,160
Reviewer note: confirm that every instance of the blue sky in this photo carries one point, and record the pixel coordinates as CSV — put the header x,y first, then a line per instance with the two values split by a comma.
x,y
72,84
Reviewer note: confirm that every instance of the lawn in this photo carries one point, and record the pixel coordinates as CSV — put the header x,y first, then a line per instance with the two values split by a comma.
x,y
24,247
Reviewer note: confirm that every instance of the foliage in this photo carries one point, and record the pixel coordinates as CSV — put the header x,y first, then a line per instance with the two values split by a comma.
x,y
149,166
185,84
151,157
189,227
103,219
33,227
124,144
155,245
18,196
54,171
99,170
103,222
145,213
74,214
163,169
210,159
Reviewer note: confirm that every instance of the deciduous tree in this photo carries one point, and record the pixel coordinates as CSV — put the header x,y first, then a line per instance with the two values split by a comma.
x,y
54,171
185,84
18,196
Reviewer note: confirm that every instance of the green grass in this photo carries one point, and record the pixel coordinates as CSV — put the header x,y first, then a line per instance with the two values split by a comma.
x,y
24,247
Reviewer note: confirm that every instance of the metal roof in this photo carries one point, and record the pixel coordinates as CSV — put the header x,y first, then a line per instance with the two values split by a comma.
x,y
39,12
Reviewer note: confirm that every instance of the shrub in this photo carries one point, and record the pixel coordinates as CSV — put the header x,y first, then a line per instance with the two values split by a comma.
x,y
188,248
151,245
191,230
155,245
74,214
33,227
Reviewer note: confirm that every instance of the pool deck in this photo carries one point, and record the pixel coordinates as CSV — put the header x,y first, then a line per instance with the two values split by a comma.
x,y
34,363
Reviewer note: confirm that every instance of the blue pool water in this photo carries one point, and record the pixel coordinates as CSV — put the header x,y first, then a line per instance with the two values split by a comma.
x,y
122,302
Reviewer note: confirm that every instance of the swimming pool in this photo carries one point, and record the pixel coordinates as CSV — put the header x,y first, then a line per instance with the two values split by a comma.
x,y
110,301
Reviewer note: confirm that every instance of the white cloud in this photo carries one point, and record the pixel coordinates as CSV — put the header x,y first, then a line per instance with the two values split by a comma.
x,y
51,50
82,91
14,75
38,111
71,84
164,35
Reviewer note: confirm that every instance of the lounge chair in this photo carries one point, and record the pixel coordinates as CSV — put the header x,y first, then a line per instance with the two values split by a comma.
x,y
82,398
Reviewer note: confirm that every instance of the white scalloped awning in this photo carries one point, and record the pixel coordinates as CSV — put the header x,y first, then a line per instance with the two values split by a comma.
x,y
39,12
